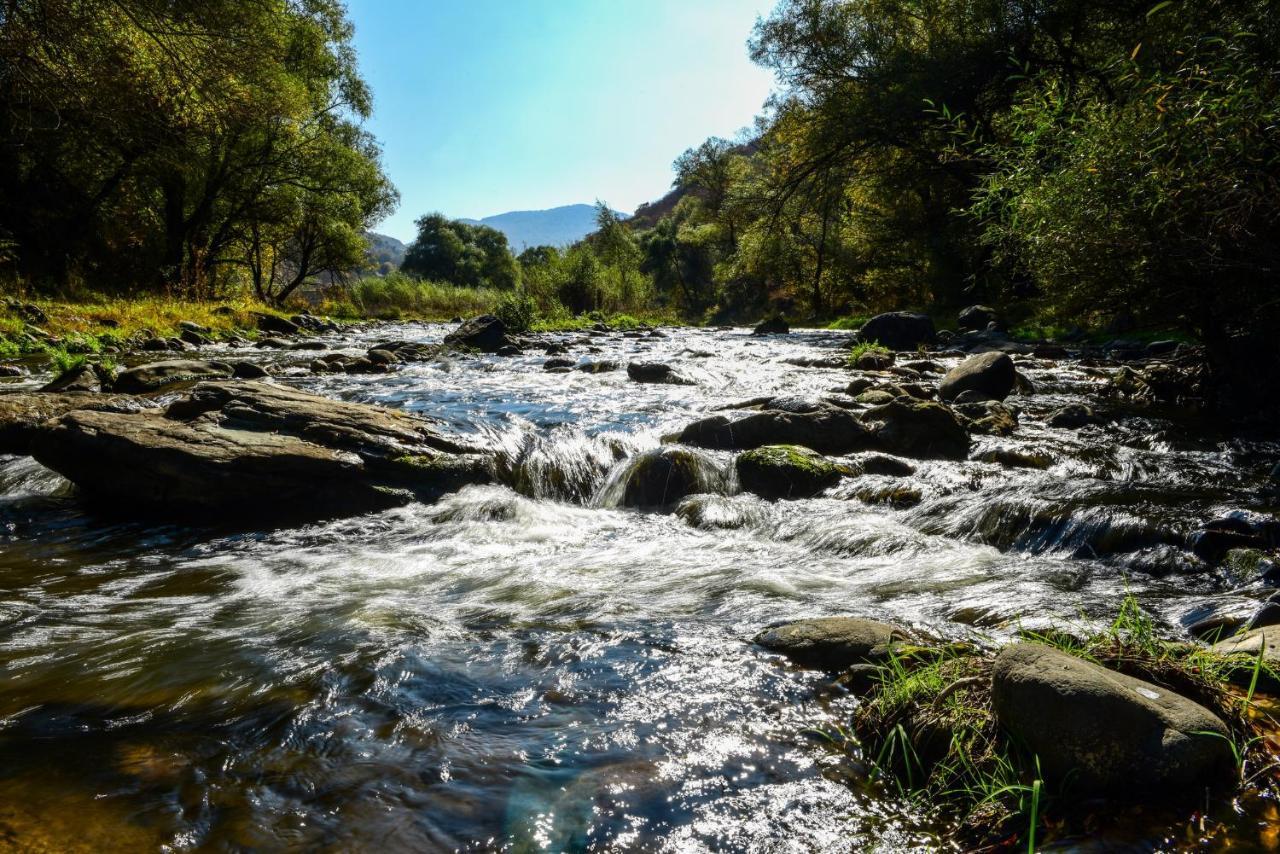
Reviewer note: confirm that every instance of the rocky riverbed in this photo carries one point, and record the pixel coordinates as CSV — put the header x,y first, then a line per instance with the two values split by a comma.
x,y
356,586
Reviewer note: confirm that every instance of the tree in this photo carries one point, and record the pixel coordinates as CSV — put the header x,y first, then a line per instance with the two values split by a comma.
x,y
461,254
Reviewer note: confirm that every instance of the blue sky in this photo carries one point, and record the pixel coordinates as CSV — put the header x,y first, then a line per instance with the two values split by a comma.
x,y
486,106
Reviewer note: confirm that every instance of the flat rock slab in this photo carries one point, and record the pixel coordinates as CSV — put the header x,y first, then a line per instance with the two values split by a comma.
x,y
21,415
157,376
832,643
1102,731
252,449
827,430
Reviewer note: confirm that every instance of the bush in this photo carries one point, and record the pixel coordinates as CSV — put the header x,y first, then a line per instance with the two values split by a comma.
x,y
517,312
401,296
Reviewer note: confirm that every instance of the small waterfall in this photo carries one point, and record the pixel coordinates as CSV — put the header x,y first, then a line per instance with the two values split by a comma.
x,y
564,465
661,477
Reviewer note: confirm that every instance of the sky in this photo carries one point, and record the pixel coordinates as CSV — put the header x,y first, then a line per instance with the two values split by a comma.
x,y
488,106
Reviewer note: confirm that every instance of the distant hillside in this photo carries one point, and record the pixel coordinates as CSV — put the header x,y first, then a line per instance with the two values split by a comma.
x,y
384,249
554,227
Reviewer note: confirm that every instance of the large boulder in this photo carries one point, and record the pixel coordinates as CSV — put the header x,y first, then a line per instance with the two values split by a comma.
x,y
991,375
1105,732
85,377
22,415
977,317
656,372
899,330
660,478
776,325
239,450
827,430
786,471
832,643
486,333
158,376
275,324
917,428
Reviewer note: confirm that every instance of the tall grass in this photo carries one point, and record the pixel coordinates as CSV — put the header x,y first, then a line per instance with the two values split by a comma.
x,y
398,296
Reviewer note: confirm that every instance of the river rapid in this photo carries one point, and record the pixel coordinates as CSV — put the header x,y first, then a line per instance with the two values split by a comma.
x,y
529,666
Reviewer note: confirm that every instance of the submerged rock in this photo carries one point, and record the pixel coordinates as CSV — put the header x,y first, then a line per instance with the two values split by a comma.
x,y
832,643
1103,731
991,375
251,449
786,471
1072,417
899,330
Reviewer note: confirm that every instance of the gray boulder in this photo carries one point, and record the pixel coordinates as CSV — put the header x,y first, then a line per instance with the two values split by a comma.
x,y
23,415
485,333
832,643
917,428
899,330
157,376
1105,732
655,372
989,374
828,430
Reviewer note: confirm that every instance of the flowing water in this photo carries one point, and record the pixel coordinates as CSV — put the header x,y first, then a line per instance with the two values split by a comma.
x,y
530,666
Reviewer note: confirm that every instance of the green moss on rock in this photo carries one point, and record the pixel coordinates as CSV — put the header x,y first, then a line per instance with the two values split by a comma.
x,y
786,471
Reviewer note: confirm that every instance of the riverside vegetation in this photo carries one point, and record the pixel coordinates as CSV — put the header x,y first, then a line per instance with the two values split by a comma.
x,y
286,566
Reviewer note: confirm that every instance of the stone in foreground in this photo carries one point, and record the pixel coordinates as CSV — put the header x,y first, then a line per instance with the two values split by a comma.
x,y
1100,731
786,471
23,415
251,449
991,375
832,643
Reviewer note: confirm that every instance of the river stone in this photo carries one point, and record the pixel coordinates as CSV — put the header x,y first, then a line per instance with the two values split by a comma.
x,y
486,333
829,430
977,317
661,478
874,360
772,326
1072,417
252,449
989,374
786,471
655,372
273,323
918,428
80,378
160,375
1102,731
1265,640
898,330
832,643
21,415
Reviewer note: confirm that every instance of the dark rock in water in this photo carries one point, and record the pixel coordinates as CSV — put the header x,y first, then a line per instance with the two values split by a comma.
x,y
195,339
655,372
272,323
970,396
1050,351
990,374
858,386
874,360
1106,732
828,431
309,344
255,450
876,397
158,345
555,350
1016,458
1268,615
272,343
989,418
507,350
456,319
885,465
485,333
977,317
382,357
160,375
82,378
773,326
918,428
1216,538
551,364
1215,628
899,330
1161,348
661,478
23,415
786,471
1072,416
599,366
832,643
12,371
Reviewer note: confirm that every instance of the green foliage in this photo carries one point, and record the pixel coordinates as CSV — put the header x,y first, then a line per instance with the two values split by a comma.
x,y
862,348
401,296
462,254
517,311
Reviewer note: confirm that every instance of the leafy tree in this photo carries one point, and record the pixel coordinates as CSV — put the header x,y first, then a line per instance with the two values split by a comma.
x,y
462,254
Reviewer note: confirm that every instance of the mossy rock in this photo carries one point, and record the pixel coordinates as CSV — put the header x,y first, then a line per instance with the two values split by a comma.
x,y
786,471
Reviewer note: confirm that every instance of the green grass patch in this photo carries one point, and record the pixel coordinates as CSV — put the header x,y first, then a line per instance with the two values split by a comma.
x,y
851,321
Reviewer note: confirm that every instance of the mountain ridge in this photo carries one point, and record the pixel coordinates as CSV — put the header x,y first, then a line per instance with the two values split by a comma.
x,y
558,226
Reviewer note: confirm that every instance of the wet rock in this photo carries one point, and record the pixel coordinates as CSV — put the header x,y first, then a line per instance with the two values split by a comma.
x,y
248,371
876,397
233,450
22,415
309,344
990,374
553,364
773,326
1216,538
485,333
1072,417
1161,348
786,471
82,378
382,357
1016,458
1104,731
1267,615
925,366
918,428
272,343
989,418
507,351
874,360
195,339
598,366
157,376
858,386
12,371
899,330
661,478
278,325
1260,642
832,643
829,430
720,512
885,465
159,345
816,361
977,317
1216,627
655,372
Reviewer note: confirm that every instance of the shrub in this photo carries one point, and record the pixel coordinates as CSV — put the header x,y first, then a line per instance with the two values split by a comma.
x,y
517,311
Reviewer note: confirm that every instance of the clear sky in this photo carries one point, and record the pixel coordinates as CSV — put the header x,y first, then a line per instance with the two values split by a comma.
x,y
487,106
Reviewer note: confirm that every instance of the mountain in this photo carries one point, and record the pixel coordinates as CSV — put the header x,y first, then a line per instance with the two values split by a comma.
x,y
384,249
554,227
